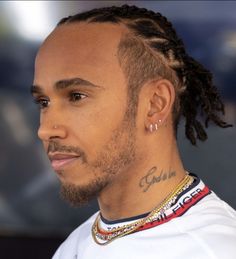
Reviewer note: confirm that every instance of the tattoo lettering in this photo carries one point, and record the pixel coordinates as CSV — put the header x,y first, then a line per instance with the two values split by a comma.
x,y
150,179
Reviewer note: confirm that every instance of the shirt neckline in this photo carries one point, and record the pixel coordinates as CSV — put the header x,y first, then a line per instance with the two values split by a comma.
x,y
108,224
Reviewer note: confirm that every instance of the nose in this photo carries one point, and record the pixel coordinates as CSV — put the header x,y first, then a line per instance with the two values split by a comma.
x,y
49,130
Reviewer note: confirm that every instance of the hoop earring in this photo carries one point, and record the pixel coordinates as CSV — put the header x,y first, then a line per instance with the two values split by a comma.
x,y
151,128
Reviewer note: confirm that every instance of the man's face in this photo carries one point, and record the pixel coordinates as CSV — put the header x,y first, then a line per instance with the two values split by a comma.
x,y
85,124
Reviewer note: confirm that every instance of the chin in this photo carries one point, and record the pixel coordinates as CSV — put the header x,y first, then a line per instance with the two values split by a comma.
x,y
80,194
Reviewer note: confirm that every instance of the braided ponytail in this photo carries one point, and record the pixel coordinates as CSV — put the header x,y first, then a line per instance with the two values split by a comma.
x,y
154,49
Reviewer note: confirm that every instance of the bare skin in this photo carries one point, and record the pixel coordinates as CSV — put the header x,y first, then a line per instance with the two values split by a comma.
x,y
137,168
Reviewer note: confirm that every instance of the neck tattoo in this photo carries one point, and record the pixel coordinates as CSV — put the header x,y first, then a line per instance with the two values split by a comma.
x,y
151,178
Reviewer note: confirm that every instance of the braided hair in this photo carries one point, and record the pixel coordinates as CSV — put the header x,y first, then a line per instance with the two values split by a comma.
x,y
153,50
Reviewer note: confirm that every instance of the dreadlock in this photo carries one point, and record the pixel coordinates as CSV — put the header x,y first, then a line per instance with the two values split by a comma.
x,y
154,50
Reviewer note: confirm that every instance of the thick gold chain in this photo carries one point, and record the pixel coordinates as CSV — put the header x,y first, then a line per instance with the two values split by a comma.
x,y
132,227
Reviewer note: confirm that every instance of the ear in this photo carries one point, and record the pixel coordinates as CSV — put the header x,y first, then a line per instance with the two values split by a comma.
x,y
161,98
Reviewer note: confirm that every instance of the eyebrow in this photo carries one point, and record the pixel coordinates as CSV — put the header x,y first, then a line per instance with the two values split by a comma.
x,y
65,83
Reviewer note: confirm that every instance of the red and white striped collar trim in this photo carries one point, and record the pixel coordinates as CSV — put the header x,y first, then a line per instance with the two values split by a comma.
x,y
192,195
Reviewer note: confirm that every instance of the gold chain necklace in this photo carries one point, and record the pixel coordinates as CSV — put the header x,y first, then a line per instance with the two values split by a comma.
x,y
109,236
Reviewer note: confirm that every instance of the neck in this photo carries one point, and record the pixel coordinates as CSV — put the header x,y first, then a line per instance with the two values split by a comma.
x,y
143,186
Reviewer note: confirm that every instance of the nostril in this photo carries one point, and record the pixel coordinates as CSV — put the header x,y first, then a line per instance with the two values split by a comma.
x,y
47,132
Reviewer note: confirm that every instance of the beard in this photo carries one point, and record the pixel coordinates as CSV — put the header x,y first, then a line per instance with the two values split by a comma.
x,y
114,158
81,195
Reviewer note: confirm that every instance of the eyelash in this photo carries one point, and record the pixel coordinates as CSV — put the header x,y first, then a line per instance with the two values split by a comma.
x,y
44,103
73,96
41,102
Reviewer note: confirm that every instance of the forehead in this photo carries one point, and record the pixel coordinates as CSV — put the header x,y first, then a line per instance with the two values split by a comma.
x,y
79,48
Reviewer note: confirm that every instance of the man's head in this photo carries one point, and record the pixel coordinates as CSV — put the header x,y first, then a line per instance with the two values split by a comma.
x,y
102,78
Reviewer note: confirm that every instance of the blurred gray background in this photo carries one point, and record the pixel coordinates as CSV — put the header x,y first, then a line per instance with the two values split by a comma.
x,y
30,206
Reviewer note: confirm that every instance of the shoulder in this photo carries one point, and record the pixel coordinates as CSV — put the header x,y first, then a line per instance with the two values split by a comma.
x,y
212,210
211,225
69,247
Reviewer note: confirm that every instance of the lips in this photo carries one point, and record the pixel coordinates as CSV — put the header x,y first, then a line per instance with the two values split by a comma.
x,y
60,161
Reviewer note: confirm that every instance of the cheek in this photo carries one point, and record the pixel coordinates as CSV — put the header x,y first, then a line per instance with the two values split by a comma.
x,y
92,129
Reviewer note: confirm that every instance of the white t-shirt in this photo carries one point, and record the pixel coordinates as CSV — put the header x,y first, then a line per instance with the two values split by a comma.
x,y
198,226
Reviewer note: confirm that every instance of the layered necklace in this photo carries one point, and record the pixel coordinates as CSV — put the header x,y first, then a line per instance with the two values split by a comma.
x,y
103,237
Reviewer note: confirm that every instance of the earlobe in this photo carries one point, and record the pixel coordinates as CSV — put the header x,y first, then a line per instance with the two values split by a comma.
x,y
154,127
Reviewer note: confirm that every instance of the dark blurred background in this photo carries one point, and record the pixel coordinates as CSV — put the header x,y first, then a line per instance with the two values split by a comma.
x,y
33,219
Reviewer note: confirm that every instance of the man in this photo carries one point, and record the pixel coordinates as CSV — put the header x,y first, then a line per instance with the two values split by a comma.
x,y
112,84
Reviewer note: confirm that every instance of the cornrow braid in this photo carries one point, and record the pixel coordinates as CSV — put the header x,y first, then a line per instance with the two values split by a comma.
x,y
154,50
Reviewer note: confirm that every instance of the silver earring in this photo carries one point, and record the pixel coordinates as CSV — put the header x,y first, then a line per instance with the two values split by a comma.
x,y
151,128
54,127
156,126
159,120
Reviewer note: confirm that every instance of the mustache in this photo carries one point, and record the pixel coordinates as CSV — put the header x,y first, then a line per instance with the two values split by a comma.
x,y
55,146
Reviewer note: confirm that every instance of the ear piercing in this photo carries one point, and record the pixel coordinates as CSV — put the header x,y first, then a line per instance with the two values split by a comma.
x,y
155,126
55,127
151,127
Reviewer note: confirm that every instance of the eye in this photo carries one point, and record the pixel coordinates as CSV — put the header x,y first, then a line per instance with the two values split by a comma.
x,y
75,97
42,103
